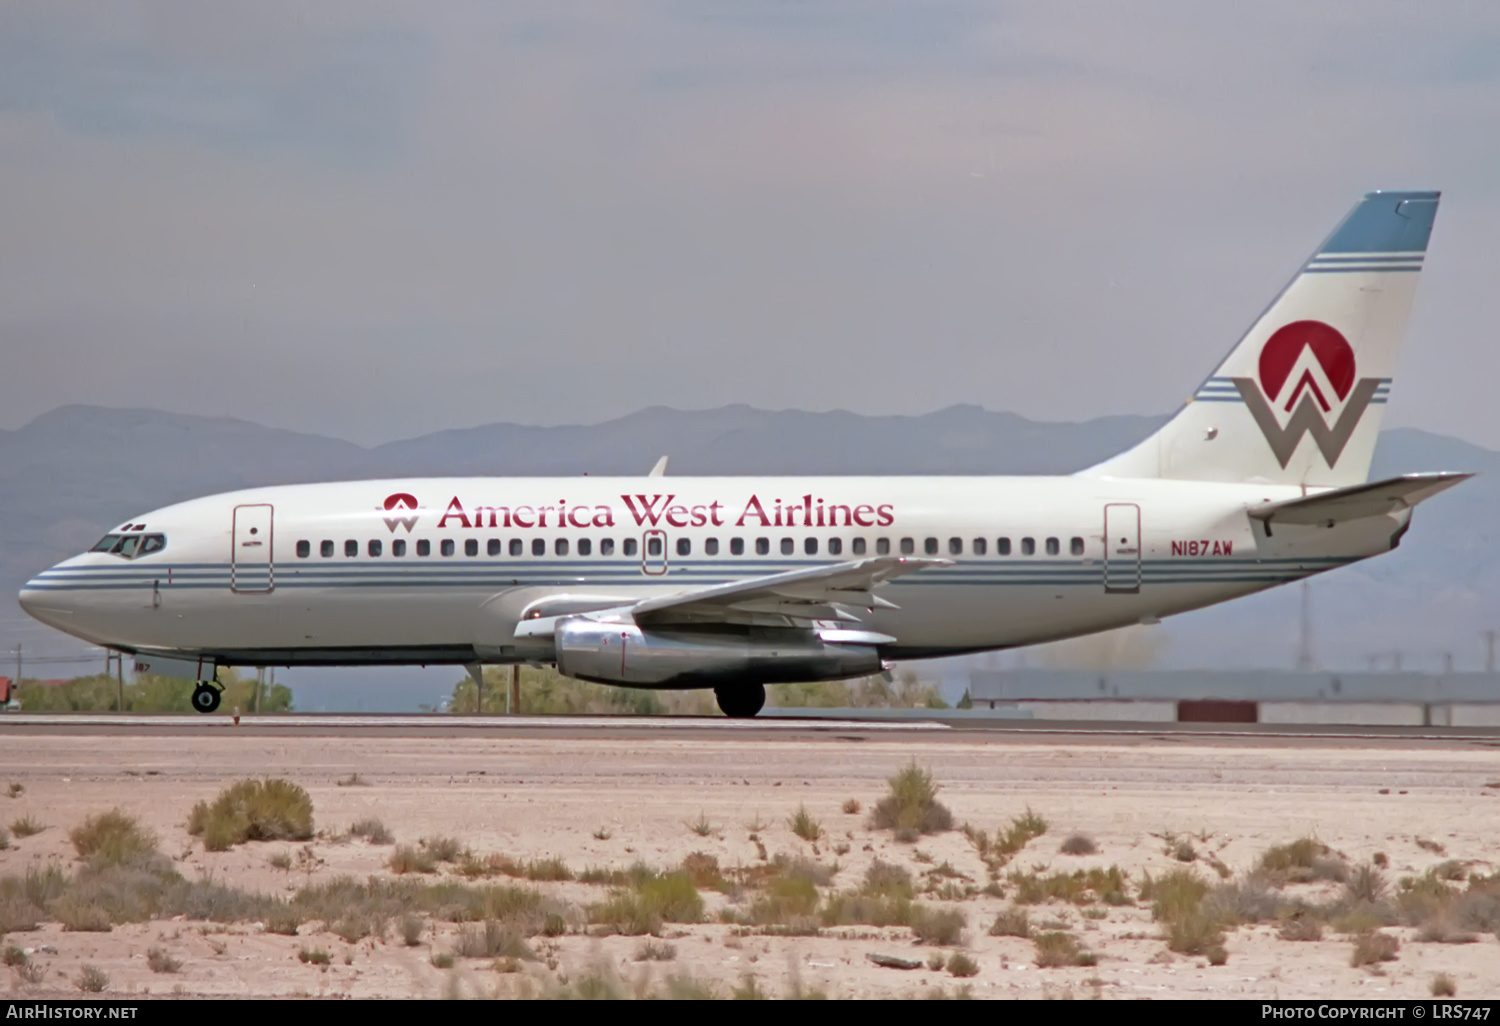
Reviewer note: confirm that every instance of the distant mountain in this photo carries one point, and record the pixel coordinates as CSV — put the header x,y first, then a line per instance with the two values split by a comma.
x,y
72,473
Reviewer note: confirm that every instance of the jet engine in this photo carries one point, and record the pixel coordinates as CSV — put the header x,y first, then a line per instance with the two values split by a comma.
x,y
623,653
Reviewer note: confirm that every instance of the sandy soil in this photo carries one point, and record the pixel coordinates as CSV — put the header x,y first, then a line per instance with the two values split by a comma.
x,y
541,797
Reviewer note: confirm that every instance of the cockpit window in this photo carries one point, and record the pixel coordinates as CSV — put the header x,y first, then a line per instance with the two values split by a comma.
x,y
129,546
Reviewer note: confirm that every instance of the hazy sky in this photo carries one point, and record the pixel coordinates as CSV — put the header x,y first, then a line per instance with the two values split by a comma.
x,y
374,221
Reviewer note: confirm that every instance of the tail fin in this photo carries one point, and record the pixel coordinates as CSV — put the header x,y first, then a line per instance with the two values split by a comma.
x,y
1299,400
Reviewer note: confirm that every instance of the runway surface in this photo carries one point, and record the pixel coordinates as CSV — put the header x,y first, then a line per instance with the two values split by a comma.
x,y
968,729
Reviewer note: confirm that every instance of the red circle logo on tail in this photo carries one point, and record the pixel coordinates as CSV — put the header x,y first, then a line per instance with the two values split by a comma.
x,y
401,499
1329,348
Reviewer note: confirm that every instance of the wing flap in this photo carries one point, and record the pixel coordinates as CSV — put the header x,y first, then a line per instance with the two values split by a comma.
x,y
811,593
1373,499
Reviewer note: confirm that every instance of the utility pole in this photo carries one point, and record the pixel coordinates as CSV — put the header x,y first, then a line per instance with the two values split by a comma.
x,y
18,664
513,698
1447,662
1489,651
120,681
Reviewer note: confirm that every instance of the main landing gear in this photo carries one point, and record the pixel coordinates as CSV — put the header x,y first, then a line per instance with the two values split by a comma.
x,y
741,702
206,697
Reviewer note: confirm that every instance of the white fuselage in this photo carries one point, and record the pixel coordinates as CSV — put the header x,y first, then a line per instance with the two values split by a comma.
x,y
311,575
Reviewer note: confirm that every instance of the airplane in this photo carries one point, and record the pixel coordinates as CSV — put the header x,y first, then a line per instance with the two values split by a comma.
x,y
733,583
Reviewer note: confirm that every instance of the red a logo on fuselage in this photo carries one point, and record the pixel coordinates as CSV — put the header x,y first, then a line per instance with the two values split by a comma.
x,y
1281,390
401,501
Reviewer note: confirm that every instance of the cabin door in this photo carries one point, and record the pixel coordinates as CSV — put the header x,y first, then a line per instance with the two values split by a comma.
x,y
250,562
1122,547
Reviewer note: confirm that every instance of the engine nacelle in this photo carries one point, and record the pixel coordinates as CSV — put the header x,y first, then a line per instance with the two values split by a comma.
x,y
622,653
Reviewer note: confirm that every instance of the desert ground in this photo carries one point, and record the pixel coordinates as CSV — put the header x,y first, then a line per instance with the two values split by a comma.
x,y
1150,805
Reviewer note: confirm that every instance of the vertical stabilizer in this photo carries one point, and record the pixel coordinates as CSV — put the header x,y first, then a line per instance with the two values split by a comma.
x,y
1299,400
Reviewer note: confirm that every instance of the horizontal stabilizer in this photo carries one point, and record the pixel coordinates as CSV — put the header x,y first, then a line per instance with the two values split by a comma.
x,y
1378,498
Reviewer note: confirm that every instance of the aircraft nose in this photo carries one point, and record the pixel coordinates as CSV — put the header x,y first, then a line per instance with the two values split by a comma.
x,y
43,602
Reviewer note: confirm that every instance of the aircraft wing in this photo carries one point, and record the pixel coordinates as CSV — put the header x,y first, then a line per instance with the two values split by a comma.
x,y
813,593
1373,499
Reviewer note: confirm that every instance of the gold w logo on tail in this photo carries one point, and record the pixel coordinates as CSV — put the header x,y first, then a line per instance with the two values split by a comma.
x,y
1307,419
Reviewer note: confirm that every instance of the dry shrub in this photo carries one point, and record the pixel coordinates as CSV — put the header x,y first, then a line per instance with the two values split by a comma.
x,y
1057,948
1177,902
1370,948
27,826
654,951
704,869
18,915
911,808
1443,986
850,907
1194,933
372,830
1080,887
161,961
493,939
1011,922
1301,928
852,806
1079,844
1248,901
547,871
82,915
313,956
655,899
411,928
408,859
1366,883
962,966
883,879
1435,847
804,826
443,849
1302,861
253,810
1022,830
92,979
943,926
113,839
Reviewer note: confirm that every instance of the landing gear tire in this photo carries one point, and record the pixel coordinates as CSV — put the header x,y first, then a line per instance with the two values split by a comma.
x,y
743,702
205,698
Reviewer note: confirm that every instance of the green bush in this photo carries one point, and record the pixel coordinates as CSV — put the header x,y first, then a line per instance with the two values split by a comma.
x,y
253,810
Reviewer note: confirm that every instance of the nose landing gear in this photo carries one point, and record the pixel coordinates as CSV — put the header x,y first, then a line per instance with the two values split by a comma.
x,y
205,697
741,702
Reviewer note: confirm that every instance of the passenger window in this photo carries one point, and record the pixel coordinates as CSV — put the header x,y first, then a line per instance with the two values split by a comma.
x,y
908,546
1053,547
930,546
1076,546
538,547
493,548
628,547
980,546
560,547
736,546
1028,546
955,546
446,547
882,546
710,546
684,546
606,546
788,546
304,549
398,547
762,546
835,546
516,547
325,549
1002,546
471,546
585,547
424,547
374,548
858,547
810,546
653,545
351,548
